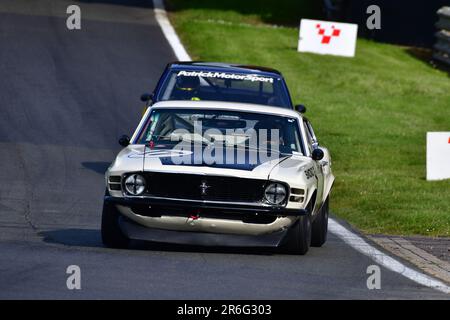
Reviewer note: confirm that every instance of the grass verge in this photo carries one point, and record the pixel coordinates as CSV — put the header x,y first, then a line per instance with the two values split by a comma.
x,y
371,111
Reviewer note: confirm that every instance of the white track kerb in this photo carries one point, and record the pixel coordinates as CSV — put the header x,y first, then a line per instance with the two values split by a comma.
x,y
169,31
353,240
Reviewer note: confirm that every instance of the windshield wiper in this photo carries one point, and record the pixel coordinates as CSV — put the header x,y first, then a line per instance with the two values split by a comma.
x,y
247,147
180,138
158,136
213,141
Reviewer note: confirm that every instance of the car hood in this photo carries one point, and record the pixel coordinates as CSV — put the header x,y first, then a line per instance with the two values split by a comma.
x,y
168,160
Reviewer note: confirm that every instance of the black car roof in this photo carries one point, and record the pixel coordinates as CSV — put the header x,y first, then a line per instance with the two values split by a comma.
x,y
217,66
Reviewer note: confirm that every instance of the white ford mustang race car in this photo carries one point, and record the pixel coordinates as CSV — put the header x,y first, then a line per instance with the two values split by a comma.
x,y
219,173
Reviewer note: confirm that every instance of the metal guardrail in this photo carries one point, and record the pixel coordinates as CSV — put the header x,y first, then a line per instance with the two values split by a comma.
x,y
442,47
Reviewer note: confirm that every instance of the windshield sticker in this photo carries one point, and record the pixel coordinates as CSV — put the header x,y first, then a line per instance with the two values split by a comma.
x,y
224,75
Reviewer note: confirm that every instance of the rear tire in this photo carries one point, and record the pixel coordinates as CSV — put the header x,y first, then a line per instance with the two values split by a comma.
x,y
299,237
112,235
320,226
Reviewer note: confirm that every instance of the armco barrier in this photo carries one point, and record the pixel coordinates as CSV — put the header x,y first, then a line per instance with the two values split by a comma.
x,y
441,51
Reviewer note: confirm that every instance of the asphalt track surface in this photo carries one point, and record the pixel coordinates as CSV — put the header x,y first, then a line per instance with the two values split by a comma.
x,y
65,97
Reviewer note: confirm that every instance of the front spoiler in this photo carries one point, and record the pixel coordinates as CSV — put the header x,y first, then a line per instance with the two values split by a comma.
x,y
137,232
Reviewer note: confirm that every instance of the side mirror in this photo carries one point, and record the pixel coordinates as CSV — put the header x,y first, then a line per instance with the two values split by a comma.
x,y
146,97
317,154
300,108
124,140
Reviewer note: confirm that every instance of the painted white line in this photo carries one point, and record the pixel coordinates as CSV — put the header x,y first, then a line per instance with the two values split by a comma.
x,y
359,244
169,31
352,239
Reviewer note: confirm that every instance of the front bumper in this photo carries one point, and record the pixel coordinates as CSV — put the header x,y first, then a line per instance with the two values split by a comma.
x,y
213,222
216,205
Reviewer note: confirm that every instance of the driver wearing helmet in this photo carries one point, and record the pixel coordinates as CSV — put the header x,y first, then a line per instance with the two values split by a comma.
x,y
270,135
186,88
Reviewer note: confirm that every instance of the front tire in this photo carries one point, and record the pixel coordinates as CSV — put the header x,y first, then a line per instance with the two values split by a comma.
x,y
299,237
112,235
320,226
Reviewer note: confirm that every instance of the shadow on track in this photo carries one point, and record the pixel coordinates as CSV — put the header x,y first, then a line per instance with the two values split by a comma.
x,y
99,167
73,237
92,238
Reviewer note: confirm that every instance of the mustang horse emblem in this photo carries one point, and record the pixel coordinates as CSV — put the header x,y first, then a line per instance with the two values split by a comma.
x,y
203,187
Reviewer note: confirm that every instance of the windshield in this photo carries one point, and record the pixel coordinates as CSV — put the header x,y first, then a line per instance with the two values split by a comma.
x,y
169,127
224,86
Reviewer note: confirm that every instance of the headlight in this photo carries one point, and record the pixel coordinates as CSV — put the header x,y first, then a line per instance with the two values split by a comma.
x,y
275,193
135,184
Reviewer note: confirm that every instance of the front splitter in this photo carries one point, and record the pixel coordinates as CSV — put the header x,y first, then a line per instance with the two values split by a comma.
x,y
137,232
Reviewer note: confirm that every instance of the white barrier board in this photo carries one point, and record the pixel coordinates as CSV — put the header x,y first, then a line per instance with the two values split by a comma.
x,y
327,37
438,155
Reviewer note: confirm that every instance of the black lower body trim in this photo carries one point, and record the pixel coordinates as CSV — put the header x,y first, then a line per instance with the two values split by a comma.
x,y
137,232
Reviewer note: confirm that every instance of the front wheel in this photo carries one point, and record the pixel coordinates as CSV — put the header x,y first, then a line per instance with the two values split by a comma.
x,y
320,226
112,235
299,237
